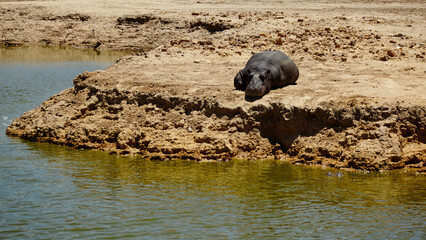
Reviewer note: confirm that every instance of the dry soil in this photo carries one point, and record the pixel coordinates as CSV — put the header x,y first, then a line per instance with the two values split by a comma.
x,y
359,103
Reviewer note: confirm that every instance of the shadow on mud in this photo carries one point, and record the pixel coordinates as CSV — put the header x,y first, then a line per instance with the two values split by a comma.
x,y
252,99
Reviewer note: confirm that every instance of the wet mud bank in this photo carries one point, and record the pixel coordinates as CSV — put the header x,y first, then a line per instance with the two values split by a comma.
x,y
162,115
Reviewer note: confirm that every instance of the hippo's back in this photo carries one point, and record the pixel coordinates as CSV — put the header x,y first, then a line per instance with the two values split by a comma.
x,y
263,59
284,70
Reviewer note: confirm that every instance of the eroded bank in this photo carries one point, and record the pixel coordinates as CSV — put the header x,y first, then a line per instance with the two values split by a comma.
x,y
359,102
165,111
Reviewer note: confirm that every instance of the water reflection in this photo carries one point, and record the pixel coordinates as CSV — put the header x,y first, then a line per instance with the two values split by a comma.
x,y
30,75
268,179
35,54
242,198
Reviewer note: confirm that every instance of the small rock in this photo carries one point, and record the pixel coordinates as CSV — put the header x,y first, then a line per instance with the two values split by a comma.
x,y
187,40
338,174
318,53
400,35
391,53
205,42
98,44
384,58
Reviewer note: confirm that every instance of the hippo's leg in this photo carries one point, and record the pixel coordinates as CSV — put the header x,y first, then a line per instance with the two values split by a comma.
x,y
239,82
289,72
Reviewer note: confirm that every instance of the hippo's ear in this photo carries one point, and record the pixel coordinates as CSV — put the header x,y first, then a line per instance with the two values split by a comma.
x,y
239,82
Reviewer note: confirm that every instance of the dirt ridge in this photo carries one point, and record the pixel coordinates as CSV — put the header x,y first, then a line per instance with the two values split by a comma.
x,y
364,137
359,102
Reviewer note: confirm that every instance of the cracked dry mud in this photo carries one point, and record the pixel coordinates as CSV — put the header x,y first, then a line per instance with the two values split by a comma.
x,y
359,102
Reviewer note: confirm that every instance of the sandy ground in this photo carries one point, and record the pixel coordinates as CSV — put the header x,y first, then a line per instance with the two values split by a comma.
x,y
359,103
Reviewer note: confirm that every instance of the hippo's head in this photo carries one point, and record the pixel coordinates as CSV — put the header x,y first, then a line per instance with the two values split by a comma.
x,y
258,82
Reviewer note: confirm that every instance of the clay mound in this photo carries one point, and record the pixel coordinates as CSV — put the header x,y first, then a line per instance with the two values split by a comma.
x,y
166,111
359,102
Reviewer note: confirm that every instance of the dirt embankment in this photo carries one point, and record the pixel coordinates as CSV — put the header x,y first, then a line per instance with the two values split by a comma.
x,y
359,102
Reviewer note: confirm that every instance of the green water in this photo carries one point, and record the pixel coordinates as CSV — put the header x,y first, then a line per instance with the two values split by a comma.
x,y
53,192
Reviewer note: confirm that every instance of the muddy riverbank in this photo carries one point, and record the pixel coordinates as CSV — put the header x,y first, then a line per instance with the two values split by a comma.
x,y
359,102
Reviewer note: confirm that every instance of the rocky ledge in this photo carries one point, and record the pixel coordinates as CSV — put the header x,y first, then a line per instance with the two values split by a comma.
x,y
163,106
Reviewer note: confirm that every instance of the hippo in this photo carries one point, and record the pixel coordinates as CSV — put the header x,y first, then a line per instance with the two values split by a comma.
x,y
265,71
